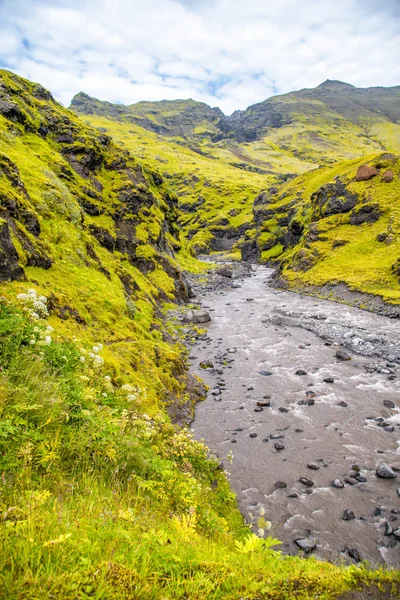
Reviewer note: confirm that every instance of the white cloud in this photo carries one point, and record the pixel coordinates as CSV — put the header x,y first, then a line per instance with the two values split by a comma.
x,y
227,53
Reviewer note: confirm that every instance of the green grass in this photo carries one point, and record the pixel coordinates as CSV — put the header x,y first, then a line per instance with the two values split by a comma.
x,y
362,262
101,501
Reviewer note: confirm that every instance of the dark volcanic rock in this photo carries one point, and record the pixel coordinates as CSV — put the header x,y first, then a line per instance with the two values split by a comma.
x,y
306,482
348,515
10,269
368,213
306,544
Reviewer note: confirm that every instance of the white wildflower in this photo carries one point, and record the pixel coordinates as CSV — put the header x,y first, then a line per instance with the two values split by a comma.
x,y
47,340
42,299
34,315
127,388
260,532
95,349
91,355
100,347
98,361
32,342
131,397
82,359
107,378
261,511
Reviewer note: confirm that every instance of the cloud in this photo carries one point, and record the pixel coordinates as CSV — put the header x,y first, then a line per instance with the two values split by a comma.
x,y
228,53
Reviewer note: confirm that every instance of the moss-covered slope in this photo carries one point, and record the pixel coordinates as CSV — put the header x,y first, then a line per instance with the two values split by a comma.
x,y
101,496
336,224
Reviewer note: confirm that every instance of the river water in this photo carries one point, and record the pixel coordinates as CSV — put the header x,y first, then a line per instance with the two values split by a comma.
x,y
255,360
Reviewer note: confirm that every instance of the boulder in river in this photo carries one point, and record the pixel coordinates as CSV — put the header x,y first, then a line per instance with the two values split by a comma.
x,y
306,482
348,515
386,472
197,316
354,554
225,271
306,544
342,355
337,483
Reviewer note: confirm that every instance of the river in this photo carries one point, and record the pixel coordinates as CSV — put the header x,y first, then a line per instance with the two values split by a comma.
x,y
339,429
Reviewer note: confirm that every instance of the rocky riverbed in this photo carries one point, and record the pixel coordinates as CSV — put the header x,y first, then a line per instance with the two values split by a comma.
x,y
303,410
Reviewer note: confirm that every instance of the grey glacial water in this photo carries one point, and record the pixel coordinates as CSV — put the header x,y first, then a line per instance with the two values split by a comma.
x,y
339,430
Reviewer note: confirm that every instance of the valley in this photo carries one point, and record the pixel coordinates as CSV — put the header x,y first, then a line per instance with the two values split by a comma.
x,y
114,221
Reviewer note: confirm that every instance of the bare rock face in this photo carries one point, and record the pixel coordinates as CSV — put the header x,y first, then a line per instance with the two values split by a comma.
x,y
388,176
366,172
10,269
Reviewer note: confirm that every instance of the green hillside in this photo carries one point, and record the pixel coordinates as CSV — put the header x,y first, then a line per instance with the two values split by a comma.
x,y
326,227
217,164
102,495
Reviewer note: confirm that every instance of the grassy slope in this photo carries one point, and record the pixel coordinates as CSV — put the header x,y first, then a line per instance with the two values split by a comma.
x,y
362,262
225,192
101,496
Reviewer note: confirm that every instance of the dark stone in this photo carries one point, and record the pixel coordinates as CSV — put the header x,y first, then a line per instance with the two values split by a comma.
x,y
313,466
306,544
253,435
306,482
389,404
368,213
354,554
279,446
342,355
282,409
301,372
280,485
342,403
265,373
329,380
348,515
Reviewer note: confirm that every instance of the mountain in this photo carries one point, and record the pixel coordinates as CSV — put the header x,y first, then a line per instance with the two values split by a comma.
x,y
216,164
176,118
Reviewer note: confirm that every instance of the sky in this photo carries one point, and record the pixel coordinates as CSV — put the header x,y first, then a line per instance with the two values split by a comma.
x,y
227,53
